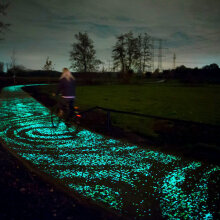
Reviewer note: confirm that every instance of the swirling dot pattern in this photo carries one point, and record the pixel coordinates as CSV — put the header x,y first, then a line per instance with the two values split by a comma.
x,y
132,180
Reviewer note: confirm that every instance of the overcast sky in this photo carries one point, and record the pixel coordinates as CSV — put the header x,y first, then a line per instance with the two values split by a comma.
x,y
39,28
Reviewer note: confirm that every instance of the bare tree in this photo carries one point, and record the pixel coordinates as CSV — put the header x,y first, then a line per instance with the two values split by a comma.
x,y
130,49
143,53
83,55
124,52
48,65
3,26
119,53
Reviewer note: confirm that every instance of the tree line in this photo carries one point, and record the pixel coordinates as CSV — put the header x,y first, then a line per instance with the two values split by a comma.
x,y
132,53
129,53
208,73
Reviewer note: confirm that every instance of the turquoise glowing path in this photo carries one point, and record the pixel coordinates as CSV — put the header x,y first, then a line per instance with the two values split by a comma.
x,y
133,180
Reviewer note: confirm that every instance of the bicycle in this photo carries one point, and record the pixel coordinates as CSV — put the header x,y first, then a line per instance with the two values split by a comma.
x,y
58,115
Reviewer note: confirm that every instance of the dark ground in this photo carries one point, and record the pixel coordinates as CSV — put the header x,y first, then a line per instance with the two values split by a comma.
x,y
24,195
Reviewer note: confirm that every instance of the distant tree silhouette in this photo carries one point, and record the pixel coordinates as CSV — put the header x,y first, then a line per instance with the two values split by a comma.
x,y
211,67
143,54
83,55
214,66
119,53
123,52
48,65
131,52
206,74
3,26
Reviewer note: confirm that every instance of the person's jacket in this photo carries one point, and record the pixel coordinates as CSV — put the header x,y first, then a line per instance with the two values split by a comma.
x,y
67,88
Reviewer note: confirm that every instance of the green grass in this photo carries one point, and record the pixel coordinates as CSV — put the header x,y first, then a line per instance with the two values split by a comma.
x,y
201,104
178,101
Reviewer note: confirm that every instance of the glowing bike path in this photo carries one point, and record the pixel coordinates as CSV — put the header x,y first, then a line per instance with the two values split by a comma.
x,y
135,181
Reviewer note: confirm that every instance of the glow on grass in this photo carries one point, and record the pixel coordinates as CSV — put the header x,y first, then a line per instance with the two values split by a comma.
x,y
133,180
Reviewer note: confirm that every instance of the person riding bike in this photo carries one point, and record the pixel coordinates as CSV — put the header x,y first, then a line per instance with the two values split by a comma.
x,y
67,89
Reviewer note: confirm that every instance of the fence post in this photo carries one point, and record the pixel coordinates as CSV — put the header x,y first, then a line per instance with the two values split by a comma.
x,y
108,120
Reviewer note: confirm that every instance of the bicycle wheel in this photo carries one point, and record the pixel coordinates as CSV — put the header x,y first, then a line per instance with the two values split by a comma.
x,y
76,121
56,116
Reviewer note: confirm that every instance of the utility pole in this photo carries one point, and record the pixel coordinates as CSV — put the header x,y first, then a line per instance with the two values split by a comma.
x,y
7,67
160,55
13,64
109,66
174,61
152,53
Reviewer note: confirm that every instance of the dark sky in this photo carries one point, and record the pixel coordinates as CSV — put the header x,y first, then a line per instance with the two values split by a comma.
x,y
40,28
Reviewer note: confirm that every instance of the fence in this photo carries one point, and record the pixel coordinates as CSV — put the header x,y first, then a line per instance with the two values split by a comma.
x,y
179,121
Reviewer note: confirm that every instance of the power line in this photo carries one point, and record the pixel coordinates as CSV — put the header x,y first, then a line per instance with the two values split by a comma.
x,y
160,56
152,55
160,52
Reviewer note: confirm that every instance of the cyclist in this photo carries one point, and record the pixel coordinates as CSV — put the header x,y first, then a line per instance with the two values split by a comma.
x,y
66,87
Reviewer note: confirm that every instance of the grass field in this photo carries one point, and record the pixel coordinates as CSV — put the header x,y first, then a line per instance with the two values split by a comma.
x,y
170,100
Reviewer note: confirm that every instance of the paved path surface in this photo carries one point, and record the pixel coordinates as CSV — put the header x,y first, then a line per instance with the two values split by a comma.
x,y
136,181
25,196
